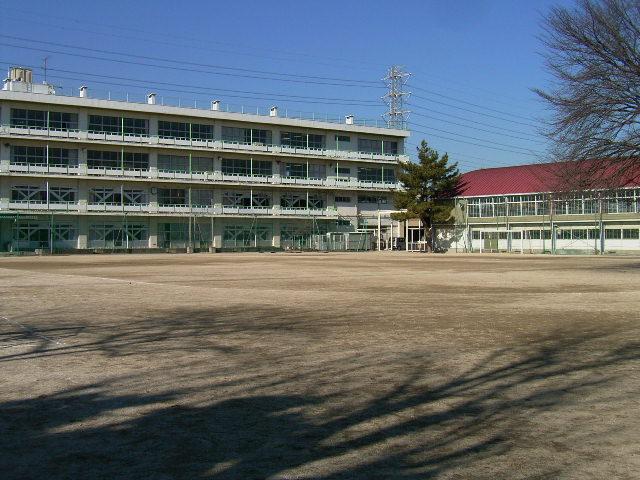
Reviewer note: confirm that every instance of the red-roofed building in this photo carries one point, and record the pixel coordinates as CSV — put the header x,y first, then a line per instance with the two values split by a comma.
x,y
555,207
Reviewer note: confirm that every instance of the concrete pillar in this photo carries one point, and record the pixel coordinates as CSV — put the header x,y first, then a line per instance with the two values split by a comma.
x,y
83,123
5,155
5,192
217,232
82,161
276,234
153,199
83,232
217,167
153,232
153,164
5,115
83,195
153,130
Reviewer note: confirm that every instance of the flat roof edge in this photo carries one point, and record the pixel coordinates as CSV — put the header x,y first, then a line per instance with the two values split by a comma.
x,y
88,102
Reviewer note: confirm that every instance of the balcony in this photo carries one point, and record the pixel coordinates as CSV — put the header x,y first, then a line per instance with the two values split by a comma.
x,y
43,206
118,137
117,207
117,172
210,144
44,168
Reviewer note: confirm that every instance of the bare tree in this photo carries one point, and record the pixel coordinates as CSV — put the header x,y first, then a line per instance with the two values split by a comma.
x,y
593,54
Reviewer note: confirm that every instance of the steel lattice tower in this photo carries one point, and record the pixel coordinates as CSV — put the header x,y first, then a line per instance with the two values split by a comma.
x,y
396,80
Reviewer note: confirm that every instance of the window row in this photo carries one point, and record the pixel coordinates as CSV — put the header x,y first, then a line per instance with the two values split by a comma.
x,y
63,157
120,125
624,201
564,234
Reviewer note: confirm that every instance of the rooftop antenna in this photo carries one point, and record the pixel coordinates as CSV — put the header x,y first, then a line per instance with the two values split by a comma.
x,y
396,80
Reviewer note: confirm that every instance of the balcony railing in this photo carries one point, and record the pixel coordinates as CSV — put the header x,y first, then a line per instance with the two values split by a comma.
x,y
331,181
214,144
113,207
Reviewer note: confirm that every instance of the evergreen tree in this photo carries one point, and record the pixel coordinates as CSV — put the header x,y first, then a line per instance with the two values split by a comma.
x,y
430,187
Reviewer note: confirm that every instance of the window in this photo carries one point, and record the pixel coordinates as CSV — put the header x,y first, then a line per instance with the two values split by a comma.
x,y
301,140
103,159
263,168
28,118
63,121
105,196
104,124
113,125
612,233
295,170
342,142
579,234
201,198
340,199
173,163
136,161
292,139
533,234
63,157
62,195
246,135
65,233
28,194
22,155
261,200
516,235
344,171
593,234
236,166
245,167
201,164
172,196
316,141
367,145
201,132
173,130
134,197
631,233
317,171
475,235
236,199
136,126
369,174
371,199
293,200
316,201
389,175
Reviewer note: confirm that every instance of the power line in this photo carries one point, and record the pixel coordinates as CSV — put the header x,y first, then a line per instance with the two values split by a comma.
x,y
501,128
312,57
472,143
184,69
473,138
206,89
476,128
196,64
431,92
472,111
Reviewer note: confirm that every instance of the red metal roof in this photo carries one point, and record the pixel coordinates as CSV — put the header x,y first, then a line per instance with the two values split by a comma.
x,y
534,178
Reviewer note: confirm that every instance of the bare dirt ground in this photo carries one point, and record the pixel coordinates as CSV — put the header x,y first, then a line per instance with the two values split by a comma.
x,y
331,366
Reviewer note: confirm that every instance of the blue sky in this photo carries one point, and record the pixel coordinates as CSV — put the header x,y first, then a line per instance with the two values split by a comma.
x,y
473,63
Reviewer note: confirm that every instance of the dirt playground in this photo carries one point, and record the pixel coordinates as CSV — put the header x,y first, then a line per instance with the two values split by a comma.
x,y
319,366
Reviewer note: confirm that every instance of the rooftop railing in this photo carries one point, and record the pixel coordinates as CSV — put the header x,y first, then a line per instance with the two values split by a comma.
x,y
195,104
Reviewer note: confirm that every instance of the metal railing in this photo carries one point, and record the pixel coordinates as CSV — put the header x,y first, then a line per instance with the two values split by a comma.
x,y
202,104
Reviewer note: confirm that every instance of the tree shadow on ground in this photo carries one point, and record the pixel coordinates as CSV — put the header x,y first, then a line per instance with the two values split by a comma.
x,y
464,424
